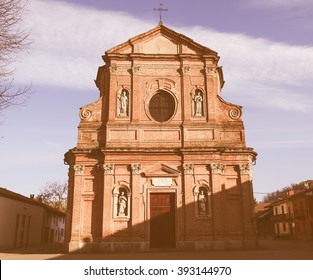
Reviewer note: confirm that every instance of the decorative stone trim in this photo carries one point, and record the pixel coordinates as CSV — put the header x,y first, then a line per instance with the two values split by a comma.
x,y
211,71
113,69
85,114
108,168
136,168
78,169
136,70
246,169
185,70
218,168
188,169
234,114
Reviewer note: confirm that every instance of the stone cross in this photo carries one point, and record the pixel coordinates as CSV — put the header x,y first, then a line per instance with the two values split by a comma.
x,y
160,9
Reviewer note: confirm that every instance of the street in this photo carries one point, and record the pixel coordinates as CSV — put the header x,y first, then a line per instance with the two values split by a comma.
x,y
268,250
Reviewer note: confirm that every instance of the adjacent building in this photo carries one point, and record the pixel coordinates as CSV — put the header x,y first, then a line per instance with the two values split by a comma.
x,y
302,204
282,218
161,159
289,217
263,220
26,222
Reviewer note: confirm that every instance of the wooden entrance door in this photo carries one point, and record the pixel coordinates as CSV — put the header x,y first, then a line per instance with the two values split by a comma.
x,y
162,220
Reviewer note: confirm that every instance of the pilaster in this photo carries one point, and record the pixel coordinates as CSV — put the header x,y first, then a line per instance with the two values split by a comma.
x,y
137,92
137,211
76,228
108,181
218,199
185,72
113,69
247,199
188,205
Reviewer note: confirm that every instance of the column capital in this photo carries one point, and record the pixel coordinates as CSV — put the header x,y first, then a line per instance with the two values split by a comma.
x,y
113,69
108,168
217,168
136,168
185,70
78,169
136,70
188,169
246,169
211,71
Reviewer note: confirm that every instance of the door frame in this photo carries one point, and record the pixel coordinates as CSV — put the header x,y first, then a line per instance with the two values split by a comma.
x,y
162,190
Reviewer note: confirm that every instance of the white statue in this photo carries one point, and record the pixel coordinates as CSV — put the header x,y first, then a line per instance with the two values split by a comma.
x,y
202,200
198,103
123,103
122,204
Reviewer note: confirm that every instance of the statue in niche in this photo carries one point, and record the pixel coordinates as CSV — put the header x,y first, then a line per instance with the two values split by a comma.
x,y
122,204
198,100
123,103
202,203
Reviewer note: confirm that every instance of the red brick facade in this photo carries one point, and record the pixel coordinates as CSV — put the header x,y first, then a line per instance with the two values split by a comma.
x,y
160,155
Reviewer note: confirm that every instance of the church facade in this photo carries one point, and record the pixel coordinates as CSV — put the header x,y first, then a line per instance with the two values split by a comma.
x,y
161,159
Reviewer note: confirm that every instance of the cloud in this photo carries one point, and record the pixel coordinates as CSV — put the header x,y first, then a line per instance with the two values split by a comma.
x,y
68,42
278,3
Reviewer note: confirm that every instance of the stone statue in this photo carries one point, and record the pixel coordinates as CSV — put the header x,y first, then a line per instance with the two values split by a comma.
x,y
123,103
198,103
122,204
202,203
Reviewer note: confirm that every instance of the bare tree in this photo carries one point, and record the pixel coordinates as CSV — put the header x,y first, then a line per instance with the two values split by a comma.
x,y
54,194
12,40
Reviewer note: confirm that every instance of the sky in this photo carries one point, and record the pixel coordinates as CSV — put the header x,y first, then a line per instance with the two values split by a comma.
x,y
266,50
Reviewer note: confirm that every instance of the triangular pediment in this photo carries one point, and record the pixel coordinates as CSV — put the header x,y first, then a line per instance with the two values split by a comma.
x,y
162,170
161,40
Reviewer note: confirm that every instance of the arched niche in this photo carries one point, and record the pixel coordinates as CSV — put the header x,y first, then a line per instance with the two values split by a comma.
x,y
121,202
198,103
202,199
123,103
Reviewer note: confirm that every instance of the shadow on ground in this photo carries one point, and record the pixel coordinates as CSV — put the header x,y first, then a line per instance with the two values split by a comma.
x,y
268,250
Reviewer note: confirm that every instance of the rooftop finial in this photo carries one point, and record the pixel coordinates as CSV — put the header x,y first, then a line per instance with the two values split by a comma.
x,y
160,9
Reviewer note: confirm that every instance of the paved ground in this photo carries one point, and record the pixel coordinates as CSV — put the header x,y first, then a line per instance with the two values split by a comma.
x,y
268,250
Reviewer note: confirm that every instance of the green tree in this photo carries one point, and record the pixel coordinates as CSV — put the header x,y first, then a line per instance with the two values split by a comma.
x,y
12,40
54,194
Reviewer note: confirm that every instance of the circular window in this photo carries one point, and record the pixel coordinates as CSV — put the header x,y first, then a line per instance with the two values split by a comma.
x,y
162,106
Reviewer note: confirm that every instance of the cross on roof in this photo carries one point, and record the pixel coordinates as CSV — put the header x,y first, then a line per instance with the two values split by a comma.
x,y
160,9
